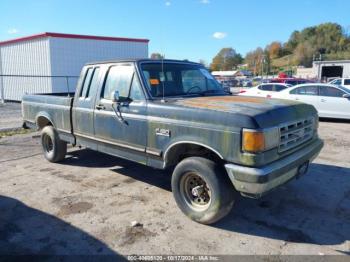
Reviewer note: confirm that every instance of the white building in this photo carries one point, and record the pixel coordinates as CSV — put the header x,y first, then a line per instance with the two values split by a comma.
x,y
304,72
325,70
51,62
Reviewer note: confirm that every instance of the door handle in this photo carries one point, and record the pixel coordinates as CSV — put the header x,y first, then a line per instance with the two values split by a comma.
x,y
100,107
323,100
297,99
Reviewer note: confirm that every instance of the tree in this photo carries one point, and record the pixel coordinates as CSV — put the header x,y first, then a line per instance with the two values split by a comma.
x,y
226,59
274,50
157,56
303,54
254,59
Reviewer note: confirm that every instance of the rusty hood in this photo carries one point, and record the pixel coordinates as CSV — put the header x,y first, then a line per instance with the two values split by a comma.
x,y
265,111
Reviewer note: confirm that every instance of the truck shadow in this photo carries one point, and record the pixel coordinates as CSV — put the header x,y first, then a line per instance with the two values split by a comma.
x,y
334,120
155,177
28,231
314,209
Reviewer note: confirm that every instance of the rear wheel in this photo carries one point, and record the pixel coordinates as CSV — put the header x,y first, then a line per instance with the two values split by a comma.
x,y
54,148
202,190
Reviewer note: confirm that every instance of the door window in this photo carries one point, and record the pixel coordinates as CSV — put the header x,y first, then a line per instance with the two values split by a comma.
x,y
305,90
266,87
331,91
136,91
278,88
337,82
118,78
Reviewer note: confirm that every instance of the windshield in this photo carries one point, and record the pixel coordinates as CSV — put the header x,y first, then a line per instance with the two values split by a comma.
x,y
177,79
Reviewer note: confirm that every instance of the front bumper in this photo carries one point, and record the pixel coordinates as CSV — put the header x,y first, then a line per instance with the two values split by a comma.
x,y
255,182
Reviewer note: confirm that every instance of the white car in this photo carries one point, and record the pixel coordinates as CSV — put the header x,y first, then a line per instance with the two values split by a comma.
x,y
264,90
341,82
330,100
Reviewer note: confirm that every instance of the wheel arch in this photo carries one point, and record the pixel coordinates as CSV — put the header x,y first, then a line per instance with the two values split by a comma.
x,y
43,119
182,149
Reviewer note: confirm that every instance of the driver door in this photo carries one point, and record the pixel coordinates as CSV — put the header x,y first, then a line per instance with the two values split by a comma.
x,y
129,134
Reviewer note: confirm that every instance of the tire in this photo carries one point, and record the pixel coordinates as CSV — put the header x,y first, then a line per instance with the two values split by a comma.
x,y
54,148
204,206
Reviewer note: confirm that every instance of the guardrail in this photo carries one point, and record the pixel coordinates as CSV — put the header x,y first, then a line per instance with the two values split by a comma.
x,y
13,87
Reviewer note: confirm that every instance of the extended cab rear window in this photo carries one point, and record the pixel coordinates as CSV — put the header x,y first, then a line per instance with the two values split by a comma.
x,y
90,81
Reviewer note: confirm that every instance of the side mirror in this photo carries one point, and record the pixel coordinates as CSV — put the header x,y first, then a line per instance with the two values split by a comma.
x,y
346,96
116,97
119,99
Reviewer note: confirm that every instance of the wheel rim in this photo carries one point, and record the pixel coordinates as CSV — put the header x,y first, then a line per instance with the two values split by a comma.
x,y
196,191
47,143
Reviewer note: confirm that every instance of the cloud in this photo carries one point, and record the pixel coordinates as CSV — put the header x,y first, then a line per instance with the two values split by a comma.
x,y
168,3
205,2
220,35
12,31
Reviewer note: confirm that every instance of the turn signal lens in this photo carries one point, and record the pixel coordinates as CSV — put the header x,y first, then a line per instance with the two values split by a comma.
x,y
253,141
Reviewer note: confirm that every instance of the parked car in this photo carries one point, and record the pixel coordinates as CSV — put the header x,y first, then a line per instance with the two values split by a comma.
x,y
174,115
264,90
330,100
341,82
291,81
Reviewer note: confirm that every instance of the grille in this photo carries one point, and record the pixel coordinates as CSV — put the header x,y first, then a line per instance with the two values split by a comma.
x,y
296,133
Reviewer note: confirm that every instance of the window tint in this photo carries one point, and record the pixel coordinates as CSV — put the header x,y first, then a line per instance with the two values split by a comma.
x,y
336,82
266,87
94,82
179,79
278,88
118,78
330,91
135,91
193,81
346,82
306,90
86,83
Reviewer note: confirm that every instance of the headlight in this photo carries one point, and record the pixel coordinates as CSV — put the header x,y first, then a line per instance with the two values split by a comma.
x,y
256,141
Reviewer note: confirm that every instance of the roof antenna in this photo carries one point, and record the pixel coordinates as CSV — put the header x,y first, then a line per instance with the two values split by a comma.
x,y
162,56
163,78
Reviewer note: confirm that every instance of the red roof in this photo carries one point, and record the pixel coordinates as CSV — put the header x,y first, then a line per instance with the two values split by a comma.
x,y
92,37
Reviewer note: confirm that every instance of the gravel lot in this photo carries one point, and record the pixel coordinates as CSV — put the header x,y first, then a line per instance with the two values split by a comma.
x,y
10,116
86,205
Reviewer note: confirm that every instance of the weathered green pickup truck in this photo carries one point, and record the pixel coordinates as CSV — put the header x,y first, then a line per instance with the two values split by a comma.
x,y
174,115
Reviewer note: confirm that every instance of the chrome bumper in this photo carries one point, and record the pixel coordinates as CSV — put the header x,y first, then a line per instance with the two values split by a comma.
x,y
255,182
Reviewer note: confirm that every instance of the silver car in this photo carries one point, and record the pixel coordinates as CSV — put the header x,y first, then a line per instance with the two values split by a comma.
x,y
331,101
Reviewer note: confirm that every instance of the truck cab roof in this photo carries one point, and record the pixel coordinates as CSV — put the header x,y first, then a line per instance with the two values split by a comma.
x,y
140,60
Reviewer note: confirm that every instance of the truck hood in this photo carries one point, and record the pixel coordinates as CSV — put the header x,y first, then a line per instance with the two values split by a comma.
x,y
266,112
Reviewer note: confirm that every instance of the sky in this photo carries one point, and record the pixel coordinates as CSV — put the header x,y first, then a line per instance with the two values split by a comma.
x,y
180,29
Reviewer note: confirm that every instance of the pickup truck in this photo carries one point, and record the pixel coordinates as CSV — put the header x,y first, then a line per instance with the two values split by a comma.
x,y
174,115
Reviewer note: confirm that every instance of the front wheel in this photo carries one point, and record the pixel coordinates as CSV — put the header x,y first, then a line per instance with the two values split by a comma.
x,y
202,190
54,148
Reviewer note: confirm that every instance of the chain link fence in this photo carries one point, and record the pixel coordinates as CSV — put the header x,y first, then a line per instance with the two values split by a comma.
x,y
13,87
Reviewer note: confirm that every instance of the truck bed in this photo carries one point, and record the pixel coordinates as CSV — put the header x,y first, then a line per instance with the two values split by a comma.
x,y
55,107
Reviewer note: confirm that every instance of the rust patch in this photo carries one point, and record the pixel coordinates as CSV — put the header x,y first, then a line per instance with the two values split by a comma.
x,y
222,102
200,104
248,99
